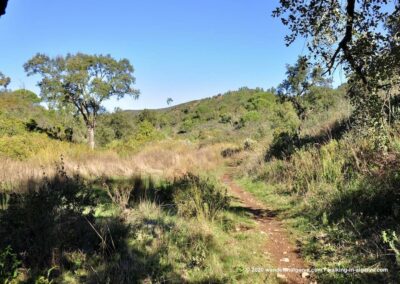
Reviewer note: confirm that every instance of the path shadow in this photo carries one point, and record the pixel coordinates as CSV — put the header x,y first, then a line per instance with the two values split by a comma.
x,y
257,213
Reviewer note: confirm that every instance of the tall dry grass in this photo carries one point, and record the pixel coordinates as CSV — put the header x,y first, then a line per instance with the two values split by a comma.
x,y
166,159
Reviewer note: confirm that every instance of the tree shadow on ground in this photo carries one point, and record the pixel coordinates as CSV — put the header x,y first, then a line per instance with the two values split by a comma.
x,y
47,220
52,227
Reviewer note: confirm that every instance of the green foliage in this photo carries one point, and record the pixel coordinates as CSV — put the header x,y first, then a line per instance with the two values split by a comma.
x,y
9,265
45,279
338,195
301,79
83,82
115,126
149,116
250,116
104,135
199,197
144,133
249,144
22,146
372,57
320,99
237,115
225,118
187,125
332,163
55,132
284,118
371,62
202,110
21,113
283,145
102,76
20,101
392,240
4,81
27,96
78,236
370,117
10,126
260,102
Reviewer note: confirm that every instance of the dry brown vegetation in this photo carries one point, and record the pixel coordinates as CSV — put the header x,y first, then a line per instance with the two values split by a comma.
x,y
166,159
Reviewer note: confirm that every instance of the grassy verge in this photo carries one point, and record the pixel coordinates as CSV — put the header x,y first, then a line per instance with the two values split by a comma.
x,y
340,202
66,229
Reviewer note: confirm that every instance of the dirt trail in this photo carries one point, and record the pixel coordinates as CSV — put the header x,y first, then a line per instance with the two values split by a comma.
x,y
282,252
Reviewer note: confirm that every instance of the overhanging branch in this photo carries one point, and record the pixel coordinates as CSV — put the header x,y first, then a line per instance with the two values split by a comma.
x,y
344,44
3,6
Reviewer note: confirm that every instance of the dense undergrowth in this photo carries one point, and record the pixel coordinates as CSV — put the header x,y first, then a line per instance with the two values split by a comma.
x,y
340,197
65,229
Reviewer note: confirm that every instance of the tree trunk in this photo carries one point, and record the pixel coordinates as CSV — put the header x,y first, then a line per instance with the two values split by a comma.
x,y
90,136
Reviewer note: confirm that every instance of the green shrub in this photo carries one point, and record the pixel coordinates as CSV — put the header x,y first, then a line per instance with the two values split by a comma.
x,y
204,112
261,101
225,118
145,132
46,279
22,146
229,152
393,241
149,116
10,126
196,247
104,136
58,132
27,96
283,145
187,125
284,118
251,116
9,265
196,196
249,144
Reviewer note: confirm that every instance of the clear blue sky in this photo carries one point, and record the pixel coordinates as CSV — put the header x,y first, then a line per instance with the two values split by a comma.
x,y
180,49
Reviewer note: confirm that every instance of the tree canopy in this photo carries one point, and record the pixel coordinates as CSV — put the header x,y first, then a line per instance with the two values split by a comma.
x,y
300,79
83,81
3,6
4,81
362,35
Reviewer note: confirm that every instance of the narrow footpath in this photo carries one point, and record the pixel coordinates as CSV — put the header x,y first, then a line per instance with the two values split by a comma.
x,y
280,250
